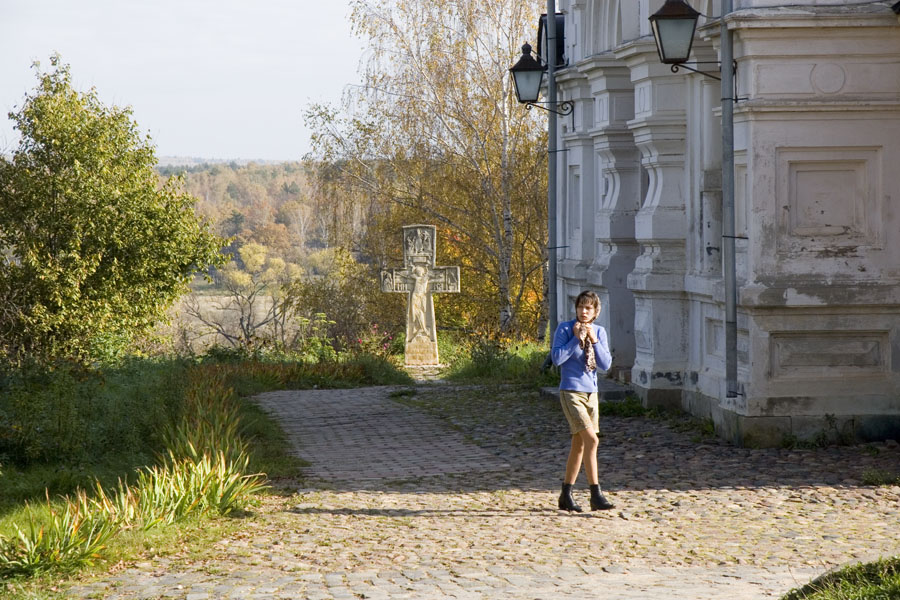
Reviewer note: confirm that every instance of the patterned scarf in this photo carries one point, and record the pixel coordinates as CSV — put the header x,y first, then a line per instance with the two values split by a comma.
x,y
589,358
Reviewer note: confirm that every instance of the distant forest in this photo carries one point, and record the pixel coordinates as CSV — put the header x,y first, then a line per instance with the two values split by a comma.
x,y
269,204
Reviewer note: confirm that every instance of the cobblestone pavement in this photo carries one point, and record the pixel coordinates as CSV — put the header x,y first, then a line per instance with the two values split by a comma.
x,y
443,493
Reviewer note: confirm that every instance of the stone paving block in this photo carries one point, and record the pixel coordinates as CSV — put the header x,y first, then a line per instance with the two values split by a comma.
x,y
371,593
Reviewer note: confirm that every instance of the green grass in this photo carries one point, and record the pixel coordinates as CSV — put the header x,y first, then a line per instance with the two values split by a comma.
x,y
204,471
630,407
880,477
63,427
878,580
490,361
191,537
185,460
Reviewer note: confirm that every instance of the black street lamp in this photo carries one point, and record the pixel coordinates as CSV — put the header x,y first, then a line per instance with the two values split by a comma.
x,y
528,74
673,29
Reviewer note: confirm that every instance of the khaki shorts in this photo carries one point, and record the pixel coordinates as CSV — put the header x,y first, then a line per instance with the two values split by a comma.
x,y
581,409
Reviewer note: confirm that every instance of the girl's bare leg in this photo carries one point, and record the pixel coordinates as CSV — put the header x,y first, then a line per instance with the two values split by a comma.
x,y
589,443
573,464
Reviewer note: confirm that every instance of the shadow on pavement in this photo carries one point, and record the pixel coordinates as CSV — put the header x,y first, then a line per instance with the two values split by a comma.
x,y
518,440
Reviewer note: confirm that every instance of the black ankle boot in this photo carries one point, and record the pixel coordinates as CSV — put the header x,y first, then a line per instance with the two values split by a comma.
x,y
598,500
566,502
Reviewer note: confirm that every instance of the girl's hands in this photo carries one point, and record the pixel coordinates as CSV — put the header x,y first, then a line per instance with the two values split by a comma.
x,y
576,329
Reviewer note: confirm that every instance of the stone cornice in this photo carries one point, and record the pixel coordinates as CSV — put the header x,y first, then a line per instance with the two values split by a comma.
x,y
595,64
611,131
815,107
571,75
577,136
870,15
637,51
658,124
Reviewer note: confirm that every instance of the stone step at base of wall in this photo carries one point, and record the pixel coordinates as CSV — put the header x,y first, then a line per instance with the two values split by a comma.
x,y
609,390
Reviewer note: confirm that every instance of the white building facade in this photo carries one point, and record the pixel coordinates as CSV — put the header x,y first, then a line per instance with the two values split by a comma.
x,y
817,204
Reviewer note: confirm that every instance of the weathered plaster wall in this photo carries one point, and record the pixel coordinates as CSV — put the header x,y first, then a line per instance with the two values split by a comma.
x,y
817,135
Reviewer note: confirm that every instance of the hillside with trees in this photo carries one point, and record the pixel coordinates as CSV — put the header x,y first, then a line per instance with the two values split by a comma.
x,y
270,204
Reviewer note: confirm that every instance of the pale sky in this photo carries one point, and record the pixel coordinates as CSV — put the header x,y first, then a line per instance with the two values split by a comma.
x,y
218,79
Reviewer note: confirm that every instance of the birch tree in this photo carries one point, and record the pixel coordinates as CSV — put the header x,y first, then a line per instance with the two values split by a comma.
x,y
435,134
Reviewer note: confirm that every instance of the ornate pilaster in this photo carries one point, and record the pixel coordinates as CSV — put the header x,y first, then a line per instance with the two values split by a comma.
x,y
577,200
617,189
657,282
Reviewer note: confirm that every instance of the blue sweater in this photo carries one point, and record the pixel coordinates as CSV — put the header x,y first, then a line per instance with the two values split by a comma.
x,y
569,357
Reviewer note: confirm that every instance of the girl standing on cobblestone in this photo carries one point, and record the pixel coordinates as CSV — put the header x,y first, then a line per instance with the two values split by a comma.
x,y
579,348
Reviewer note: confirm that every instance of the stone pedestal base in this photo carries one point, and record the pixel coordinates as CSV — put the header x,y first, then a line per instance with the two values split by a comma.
x,y
421,351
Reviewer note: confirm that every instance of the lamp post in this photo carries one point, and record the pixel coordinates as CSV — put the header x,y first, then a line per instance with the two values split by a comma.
x,y
528,76
553,299
673,29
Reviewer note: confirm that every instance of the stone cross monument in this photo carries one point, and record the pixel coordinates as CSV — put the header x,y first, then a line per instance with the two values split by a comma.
x,y
420,279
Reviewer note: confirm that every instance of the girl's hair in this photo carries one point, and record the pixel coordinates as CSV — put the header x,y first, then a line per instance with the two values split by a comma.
x,y
588,297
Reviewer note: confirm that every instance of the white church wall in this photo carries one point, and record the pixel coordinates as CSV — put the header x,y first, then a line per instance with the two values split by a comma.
x,y
817,210
824,271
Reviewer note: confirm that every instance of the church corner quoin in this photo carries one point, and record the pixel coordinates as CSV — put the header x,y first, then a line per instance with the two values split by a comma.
x,y
817,213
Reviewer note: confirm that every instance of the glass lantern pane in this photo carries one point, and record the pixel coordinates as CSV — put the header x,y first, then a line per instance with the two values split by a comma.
x,y
675,37
528,85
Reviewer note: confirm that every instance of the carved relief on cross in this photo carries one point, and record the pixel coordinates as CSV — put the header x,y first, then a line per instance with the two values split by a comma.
x,y
420,278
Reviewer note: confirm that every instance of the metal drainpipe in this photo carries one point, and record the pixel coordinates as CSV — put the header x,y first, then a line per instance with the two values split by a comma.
x,y
552,299
728,256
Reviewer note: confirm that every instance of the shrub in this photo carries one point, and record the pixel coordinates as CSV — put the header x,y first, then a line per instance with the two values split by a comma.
x,y
66,414
113,249
375,342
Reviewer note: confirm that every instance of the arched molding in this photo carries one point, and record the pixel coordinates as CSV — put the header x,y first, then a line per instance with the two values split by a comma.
x,y
605,29
628,20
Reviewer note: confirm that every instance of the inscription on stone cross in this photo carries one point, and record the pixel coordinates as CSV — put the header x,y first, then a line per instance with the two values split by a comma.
x,y
419,278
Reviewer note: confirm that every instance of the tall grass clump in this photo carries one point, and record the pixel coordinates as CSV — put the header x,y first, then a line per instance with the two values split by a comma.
x,y
207,457
204,471
57,538
180,488
210,420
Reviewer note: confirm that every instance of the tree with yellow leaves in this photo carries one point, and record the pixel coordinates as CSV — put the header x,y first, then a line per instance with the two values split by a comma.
x,y
436,136
255,310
